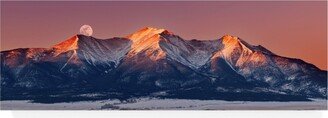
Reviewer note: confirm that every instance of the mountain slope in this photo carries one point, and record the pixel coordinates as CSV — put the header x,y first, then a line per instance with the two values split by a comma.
x,y
258,64
77,57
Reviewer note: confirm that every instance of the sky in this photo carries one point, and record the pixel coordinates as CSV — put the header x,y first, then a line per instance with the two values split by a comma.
x,y
291,29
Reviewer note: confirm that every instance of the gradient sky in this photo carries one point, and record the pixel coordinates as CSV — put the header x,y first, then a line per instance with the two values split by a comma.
x,y
292,29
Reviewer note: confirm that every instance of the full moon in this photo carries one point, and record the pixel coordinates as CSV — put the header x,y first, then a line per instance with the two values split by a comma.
x,y
86,30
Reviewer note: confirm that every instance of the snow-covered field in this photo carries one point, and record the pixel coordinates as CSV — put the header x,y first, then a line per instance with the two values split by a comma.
x,y
165,104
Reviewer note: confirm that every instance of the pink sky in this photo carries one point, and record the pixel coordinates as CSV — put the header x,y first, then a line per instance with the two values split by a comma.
x,y
292,29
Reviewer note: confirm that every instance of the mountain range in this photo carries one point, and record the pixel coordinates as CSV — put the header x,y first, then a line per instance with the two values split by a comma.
x,y
158,63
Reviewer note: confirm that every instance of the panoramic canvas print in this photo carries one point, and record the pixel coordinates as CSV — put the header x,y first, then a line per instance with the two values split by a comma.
x,y
164,55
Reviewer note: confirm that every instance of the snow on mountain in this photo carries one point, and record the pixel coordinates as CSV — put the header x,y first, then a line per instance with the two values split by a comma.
x,y
147,40
93,50
67,45
256,63
232,49
193,53
160,43
103,50
77,57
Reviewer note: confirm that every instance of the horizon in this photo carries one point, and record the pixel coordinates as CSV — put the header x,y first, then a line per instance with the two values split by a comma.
x,y
274,25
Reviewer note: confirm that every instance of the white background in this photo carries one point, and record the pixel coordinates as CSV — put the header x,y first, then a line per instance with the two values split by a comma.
x,y
163,114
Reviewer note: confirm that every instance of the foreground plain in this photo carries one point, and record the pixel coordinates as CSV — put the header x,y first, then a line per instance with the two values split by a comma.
x,y
165,104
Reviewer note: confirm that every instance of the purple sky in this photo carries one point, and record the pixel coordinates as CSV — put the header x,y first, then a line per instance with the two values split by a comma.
x,y
293,29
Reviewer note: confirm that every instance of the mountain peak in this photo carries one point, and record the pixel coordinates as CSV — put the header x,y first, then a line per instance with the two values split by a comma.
x,y
69,44
232,42
152,28
229,39
146,33
146,39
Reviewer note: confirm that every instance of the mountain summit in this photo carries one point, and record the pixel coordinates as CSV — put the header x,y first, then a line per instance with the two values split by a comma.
x,y
145,33
155,60
69,44
147,37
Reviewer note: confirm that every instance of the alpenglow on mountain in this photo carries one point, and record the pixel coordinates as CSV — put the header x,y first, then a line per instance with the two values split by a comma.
x,y
157,63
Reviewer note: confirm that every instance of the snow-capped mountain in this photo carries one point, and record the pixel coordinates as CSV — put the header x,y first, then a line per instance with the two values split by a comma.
x,y
156,60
